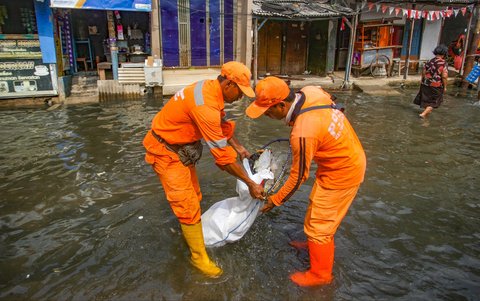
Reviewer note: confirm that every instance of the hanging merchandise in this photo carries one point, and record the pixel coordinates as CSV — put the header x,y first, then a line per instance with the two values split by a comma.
x,y
27,17
64,28
120,32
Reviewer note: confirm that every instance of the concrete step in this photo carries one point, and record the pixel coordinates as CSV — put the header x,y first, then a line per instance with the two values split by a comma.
x,y
84,93
84,80
84,89
377,90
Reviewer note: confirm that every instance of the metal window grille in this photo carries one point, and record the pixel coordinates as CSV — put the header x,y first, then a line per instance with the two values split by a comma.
x,y
184,32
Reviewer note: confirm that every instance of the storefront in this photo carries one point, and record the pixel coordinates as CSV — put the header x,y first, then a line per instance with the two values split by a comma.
x,y
27,60
93,31
377,44
294,38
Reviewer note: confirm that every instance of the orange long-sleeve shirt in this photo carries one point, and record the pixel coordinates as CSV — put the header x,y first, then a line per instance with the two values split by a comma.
x,y
326,137
193,113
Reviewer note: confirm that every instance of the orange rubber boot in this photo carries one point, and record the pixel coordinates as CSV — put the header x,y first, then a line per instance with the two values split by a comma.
x,y
299,245
321,264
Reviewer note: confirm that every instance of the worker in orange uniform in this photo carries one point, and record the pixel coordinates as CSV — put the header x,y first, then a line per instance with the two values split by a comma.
x,y
173,147
322,133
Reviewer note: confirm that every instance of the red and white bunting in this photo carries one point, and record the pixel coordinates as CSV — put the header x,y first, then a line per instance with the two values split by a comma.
x,y
425,14
417,14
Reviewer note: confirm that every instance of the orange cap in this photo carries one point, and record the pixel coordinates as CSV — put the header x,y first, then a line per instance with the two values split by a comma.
x,y
269,91
240,74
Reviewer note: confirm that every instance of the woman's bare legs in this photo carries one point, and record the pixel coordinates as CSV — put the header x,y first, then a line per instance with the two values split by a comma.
x,y
427,111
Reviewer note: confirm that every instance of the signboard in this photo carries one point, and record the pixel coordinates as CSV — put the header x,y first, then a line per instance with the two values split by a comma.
x,y
22,71
136,5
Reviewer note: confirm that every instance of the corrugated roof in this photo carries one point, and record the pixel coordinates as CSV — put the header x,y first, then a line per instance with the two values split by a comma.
x,y
298,9
434,2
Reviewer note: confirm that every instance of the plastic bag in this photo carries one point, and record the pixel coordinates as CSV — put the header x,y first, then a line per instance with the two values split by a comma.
x,y
228,220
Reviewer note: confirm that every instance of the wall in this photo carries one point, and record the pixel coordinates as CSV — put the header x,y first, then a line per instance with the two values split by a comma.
x,y
431,37
244,33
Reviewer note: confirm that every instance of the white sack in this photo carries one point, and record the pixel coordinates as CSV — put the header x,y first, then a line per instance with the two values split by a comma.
x,y
228,220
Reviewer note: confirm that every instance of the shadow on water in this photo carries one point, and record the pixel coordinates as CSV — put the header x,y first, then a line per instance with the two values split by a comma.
x,y
83,217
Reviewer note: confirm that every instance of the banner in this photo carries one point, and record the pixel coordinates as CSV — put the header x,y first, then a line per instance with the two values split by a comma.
x,y
135,5
22,71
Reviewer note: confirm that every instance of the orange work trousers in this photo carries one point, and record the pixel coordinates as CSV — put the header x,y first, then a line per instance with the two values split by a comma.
x,y
325,212
180,184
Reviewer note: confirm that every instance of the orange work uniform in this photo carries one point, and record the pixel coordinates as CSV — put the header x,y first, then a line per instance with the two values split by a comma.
x,y
326,137
193,113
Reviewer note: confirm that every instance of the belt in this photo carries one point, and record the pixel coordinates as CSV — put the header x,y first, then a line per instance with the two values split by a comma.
x,y
171,147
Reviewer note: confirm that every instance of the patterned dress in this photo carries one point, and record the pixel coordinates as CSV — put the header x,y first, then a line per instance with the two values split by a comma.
x,y
431,89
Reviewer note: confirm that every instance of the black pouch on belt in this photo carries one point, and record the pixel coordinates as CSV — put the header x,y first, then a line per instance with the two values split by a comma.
x,y
188,153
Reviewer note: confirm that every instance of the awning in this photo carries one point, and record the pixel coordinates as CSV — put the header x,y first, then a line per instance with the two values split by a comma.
x,y
298,10
134,5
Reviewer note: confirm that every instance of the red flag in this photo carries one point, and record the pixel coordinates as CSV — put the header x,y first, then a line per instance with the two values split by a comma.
x,y
342,25
463,10
409,13
397,10
437,14
370,5
384,8
425,14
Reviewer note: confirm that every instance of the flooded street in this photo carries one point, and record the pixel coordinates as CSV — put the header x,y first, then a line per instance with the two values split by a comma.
x,y
83,217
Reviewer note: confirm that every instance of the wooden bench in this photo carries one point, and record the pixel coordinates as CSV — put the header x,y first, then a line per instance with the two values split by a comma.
x,y
398,67
101,67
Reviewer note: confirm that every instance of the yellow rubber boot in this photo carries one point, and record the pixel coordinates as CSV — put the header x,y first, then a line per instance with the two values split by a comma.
x,y
194,236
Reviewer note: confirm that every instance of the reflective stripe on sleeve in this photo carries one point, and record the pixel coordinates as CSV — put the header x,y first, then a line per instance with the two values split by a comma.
x,y
217,144
197,93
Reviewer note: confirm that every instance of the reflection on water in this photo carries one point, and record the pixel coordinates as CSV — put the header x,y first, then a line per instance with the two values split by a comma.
x,y
83,217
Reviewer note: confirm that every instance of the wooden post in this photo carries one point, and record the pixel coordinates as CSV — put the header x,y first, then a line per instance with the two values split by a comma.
x,y
155,34
255,58
467,39
353,35
409,48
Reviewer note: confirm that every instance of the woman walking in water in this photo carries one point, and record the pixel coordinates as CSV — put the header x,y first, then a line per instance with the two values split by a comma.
x,y
434,82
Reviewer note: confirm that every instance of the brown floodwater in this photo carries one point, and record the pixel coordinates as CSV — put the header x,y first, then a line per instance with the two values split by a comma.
x,y
82,217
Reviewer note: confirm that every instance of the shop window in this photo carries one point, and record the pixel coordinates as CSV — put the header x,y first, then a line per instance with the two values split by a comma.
x,y
17,17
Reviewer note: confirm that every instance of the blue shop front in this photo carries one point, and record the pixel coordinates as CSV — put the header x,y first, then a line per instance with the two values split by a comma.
x,y
27,50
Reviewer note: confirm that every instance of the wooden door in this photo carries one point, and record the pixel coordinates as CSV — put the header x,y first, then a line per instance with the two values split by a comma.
x,y
296,48
270,48
318,47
